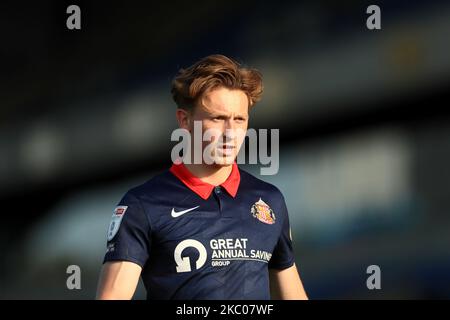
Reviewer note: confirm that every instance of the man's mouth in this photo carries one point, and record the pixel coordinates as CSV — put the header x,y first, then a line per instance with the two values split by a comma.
x,y
227,146
226,149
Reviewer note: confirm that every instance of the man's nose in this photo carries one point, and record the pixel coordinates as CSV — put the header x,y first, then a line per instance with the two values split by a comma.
x,y
230,124
230,133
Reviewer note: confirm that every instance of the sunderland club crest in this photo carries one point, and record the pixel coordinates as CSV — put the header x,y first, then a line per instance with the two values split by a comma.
x,y
263,212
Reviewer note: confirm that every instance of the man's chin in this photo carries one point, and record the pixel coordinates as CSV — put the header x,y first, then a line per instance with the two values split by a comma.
x,y
224,161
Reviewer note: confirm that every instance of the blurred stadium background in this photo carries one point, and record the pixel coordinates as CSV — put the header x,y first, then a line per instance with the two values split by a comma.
x,y
363,117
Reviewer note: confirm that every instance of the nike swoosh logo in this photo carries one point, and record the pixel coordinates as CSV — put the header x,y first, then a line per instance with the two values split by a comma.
x,y
180,213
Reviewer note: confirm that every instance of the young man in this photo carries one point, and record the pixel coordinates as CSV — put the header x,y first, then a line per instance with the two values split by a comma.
x,y
205,230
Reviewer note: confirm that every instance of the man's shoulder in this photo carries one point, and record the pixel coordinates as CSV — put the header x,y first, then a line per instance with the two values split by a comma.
x,y
159,183
251,181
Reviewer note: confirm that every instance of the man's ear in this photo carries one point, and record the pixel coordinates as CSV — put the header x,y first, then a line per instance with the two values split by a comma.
x,y
183,118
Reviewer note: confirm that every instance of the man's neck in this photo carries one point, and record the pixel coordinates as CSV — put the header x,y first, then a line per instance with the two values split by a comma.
x,y
211,174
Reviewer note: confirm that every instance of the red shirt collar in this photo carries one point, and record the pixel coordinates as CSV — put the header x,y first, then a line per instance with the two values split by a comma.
x,y
204,189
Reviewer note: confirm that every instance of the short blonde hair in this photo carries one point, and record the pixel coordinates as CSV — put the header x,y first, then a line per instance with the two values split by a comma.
x,y
211,72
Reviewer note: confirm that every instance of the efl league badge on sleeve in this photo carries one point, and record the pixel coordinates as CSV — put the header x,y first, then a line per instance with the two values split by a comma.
x,y
263,212
116,219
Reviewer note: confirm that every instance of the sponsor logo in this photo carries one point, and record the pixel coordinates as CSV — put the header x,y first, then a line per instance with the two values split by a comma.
x,y
223,251
184,263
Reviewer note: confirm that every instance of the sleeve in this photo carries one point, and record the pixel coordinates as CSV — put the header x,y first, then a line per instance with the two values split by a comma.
x,y
283,254
129,232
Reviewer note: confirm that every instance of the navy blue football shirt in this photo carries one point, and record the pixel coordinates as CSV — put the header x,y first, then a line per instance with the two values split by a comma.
x,y
194,240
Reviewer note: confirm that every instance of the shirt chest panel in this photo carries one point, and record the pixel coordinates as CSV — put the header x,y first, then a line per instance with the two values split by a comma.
x,y
217,233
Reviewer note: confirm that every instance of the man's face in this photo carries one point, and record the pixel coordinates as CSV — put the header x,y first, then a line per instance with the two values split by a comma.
x,y
223,114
